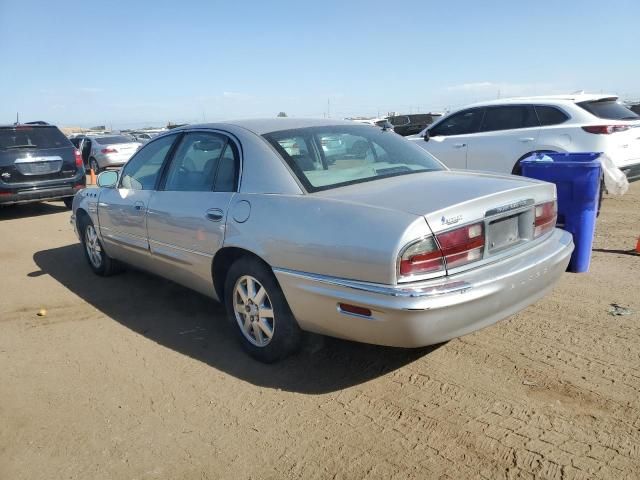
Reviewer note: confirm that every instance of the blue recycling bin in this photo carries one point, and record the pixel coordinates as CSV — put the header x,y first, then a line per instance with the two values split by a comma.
x,y
577,179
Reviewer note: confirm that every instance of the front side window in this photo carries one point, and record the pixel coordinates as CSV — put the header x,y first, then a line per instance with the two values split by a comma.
x,y
461,123
550,115
334,156
509,118
141,172
200,159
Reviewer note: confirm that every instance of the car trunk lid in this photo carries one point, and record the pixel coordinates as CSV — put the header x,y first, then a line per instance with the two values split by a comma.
x,y
505,205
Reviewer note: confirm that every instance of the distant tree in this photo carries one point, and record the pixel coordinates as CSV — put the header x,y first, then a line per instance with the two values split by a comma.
x,y
282,114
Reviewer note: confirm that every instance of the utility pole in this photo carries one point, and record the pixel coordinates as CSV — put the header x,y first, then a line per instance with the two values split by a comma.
x,y
328,108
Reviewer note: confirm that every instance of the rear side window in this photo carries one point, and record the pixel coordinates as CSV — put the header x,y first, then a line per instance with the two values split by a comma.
x,y
197,161
509,118
461,123
113,140
25,137
609,109
550,115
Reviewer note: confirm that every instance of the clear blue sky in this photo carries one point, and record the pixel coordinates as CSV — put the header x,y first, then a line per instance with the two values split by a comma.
x,y
147,62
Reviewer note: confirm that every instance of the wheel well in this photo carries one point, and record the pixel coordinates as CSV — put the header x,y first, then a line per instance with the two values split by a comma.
x,y
224,258
81,214
517,169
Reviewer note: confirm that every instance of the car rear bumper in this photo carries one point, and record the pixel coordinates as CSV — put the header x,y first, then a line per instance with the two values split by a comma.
x,y
38,192
428,312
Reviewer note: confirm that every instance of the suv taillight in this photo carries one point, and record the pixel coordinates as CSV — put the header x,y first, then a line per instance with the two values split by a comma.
x,y
453,248
546,217
605,129
78,156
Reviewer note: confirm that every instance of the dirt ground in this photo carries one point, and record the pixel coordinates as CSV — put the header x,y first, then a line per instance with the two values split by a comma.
x,y
133,377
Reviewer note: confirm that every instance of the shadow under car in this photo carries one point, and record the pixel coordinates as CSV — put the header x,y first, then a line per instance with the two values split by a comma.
x,y
194,325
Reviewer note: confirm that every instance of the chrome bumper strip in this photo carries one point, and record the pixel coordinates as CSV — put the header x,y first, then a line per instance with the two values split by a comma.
x,y
414,291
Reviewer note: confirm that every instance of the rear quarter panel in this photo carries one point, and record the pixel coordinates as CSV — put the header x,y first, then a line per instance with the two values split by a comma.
x,y
324,236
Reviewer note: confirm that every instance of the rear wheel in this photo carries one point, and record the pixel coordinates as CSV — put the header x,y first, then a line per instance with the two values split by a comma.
x,y
101,263
93,165
256,305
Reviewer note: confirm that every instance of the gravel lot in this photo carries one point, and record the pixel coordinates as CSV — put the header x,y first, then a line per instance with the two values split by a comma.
x,y
134,377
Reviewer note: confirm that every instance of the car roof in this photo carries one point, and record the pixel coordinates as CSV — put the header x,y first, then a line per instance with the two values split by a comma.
x,y
569,98
261,126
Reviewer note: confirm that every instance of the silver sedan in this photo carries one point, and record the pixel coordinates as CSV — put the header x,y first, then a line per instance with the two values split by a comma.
x,y
377,242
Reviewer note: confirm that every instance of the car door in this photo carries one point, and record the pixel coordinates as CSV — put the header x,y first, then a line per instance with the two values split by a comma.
x,y
507,133
187,215
122,211
449,138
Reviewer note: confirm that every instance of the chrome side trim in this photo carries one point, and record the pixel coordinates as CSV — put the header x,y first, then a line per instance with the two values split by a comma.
x,y
415,291
181,249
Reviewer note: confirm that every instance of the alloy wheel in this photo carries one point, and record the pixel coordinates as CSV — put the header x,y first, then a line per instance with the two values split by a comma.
x,y
253,311
92,245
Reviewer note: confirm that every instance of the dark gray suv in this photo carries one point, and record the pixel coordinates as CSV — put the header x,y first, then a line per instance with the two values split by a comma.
x,y
37,162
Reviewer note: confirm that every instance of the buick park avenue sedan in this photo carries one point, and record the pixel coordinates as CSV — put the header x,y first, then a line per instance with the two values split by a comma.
x,y
375,241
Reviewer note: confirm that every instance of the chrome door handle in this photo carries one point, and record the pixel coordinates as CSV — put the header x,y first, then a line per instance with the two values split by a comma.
x,y
526,139
138,205
214,214
459,145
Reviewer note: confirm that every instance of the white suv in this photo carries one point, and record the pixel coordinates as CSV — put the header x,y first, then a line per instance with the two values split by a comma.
x,y
496,135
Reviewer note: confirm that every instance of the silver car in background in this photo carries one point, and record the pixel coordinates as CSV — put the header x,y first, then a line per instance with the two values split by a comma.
x,y
107,151
377,243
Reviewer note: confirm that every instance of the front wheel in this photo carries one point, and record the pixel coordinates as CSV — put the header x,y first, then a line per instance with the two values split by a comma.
x,y
256,305
101,263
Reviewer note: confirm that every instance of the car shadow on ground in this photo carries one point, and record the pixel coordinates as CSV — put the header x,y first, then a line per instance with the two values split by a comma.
x,y
195,325
24,210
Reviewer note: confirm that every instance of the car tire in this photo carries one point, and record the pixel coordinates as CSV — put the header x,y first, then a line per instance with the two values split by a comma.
x,y
101,263
93,164
251,291
68,202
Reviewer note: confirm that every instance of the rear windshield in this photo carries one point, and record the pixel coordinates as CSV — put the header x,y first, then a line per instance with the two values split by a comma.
x,y
334,156
113,140
25,137
609,109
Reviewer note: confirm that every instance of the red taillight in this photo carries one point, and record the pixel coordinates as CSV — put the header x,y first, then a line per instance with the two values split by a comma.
x,y
462,245
109,150
78,156
454,249
421,257
605,129
546,217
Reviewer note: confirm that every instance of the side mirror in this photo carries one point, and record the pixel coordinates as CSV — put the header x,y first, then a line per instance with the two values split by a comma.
x,y
108,179
426,135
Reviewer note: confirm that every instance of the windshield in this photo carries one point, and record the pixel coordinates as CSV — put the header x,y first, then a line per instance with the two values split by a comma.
x,y
334,156
25,137
113,140
609,109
